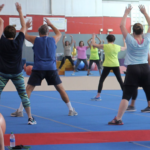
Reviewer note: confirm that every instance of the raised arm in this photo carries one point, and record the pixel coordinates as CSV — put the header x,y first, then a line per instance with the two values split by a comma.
x,y
28,37
63,40
89,42
74,44
100,46
1,26
56,31
99,39
1,22
71,39
143,11
125,46
123,22
22,21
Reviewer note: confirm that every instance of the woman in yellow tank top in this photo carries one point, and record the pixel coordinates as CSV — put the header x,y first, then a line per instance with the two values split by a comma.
x,y
111,61
94,56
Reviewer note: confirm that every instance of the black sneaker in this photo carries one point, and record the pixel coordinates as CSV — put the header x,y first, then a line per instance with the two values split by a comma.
x,y
147,109
115,122
31,121
131,108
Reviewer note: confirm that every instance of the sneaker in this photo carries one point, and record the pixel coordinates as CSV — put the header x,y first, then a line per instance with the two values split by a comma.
x,y
115,122
89,74
31,121
131,108
147,109
72,113
96,98
73,74
17,114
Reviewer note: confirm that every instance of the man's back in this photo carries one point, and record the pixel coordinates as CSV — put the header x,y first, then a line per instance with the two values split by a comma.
x,y
44,53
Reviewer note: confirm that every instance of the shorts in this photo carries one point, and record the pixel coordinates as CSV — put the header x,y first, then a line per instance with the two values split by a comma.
x,y
137,75
51,77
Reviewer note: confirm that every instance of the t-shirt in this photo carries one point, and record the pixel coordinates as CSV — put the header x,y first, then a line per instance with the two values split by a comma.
x,y
137,53
82,52
94,53
44,53
11,54
111,55
67,50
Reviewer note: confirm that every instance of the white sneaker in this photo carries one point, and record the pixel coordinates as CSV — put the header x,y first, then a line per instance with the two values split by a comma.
x,y
17,114
72,113
73,73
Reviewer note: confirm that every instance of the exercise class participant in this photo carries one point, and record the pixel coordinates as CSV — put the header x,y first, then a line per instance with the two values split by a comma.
x,y
11,60
111,61
81,49
67,52
138,72
45,62
94,56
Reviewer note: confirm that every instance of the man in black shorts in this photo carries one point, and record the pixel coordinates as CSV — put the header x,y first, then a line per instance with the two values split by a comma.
x,y
45,63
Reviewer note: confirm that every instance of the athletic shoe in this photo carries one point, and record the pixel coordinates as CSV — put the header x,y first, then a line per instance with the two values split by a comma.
x,y
73,74
31,121
17,114
131,108
89,74
115,122
72,113
147,109
96,98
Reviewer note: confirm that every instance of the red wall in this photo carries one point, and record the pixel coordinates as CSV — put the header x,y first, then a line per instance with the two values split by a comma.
x,y
84,25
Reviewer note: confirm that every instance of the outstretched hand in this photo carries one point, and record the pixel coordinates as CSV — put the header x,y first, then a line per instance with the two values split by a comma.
x,y
1,6
18,7
28,24
128,10
142,9
47,21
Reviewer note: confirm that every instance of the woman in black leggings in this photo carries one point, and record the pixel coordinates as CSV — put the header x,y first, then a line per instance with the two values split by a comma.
x,y
138,72
111,61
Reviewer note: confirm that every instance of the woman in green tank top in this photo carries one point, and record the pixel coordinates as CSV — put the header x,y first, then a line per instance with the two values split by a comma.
x,y
94,56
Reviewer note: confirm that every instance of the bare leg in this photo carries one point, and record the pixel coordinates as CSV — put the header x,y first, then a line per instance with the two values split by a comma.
x,y
29,90
1,139
62,93
122,108
132,103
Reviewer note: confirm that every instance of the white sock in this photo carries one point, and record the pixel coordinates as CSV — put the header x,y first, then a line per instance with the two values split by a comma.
x,y
21,107
69,106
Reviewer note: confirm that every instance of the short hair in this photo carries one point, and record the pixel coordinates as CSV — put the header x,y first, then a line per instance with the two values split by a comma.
x,y
80,43
43,30
10,32
138,28
66,42
111,38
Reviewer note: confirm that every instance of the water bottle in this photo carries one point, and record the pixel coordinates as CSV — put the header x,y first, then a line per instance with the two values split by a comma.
x,y
12,140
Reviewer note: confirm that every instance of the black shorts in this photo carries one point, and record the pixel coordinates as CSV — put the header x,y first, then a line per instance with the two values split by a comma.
x,y
137,75
50,76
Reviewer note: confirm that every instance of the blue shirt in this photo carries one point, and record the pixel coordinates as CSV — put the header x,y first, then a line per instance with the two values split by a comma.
x,y
137,54
11,54
44,53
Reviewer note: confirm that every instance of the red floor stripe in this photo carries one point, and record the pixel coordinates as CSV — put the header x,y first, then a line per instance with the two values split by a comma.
x,y
80,137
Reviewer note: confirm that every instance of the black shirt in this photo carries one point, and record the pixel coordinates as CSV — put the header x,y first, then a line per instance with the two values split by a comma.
x,y
11,54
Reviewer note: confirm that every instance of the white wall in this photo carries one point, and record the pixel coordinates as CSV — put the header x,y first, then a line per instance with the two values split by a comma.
x,y
10,8
77,7
40,7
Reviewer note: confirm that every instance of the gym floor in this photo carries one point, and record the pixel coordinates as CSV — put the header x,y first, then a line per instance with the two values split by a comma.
x,y
55,130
